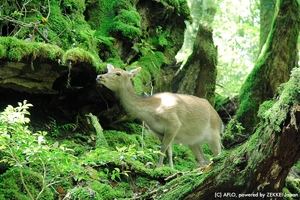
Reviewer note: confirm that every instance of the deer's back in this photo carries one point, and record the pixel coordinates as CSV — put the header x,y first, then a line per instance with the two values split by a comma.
x,y
198,119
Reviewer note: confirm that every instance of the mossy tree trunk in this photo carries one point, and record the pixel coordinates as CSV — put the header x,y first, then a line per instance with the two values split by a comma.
x,y
277,58
257,167
200,71
201,68
267,8
261,164
207,54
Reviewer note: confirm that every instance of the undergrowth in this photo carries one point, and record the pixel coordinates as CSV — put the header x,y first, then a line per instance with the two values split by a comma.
x,y
42,168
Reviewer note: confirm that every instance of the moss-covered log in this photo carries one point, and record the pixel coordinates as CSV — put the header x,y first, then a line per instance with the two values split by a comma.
x,y
260,165
278,57
78,39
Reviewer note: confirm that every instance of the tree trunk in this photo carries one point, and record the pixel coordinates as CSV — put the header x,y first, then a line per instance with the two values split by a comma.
x,y
258,167
267,8
278,57
200,71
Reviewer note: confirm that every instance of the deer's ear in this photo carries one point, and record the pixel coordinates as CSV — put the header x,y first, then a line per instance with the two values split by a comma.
x,y
134,72
110,67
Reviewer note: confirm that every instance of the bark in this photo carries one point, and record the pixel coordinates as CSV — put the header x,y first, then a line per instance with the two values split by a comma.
x,y
267,8
207,55
278,57
200,72
259,166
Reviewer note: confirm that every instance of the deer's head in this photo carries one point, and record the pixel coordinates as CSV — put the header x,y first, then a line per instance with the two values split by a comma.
x,y
116,78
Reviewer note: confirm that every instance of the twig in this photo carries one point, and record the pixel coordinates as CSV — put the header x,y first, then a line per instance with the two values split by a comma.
x,y
24,184
148,194
38,31
175,175
24,6
30,25
44,179
49,11
21,171
60,33
10,19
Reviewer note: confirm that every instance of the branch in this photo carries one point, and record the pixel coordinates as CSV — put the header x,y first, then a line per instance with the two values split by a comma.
x,y
10,19
38,31
28,25
49,11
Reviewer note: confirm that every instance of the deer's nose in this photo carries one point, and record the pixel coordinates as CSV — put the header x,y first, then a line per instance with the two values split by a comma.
x,y
99,77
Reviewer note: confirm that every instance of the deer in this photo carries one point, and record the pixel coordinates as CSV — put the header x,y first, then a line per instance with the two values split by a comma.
x,y
172,117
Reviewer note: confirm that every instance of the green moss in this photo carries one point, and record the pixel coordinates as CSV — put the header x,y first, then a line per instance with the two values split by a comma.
x,y
100,15
11,185
143,182
264,107
220,101
163,172
183,158
129,17
16,50
71,31
297,166
82,193
292,186
175,5
142,81
127,22
233,134
121,139
75,143
125,30
251,92
289,96
2,50
107,192
248,102
78,55
74,5
184,185
114,62
61,28
150,64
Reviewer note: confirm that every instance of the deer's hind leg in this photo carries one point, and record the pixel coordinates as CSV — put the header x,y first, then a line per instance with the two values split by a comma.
x,y
198,153
215,143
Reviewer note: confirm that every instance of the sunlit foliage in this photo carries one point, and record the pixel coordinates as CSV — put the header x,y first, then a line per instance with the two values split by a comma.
x,y
236,33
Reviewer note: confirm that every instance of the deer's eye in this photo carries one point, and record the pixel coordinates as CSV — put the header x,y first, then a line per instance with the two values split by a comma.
x,y
118,73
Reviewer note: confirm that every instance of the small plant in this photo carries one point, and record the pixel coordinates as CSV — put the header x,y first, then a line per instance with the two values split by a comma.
x,y
144,47
29,151
101,158
56,129
233,133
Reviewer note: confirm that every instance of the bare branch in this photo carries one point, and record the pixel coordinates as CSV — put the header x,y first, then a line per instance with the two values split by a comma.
x,y
33,25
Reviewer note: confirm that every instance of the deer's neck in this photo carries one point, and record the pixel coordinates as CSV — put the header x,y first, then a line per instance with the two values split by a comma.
x,y
133,103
